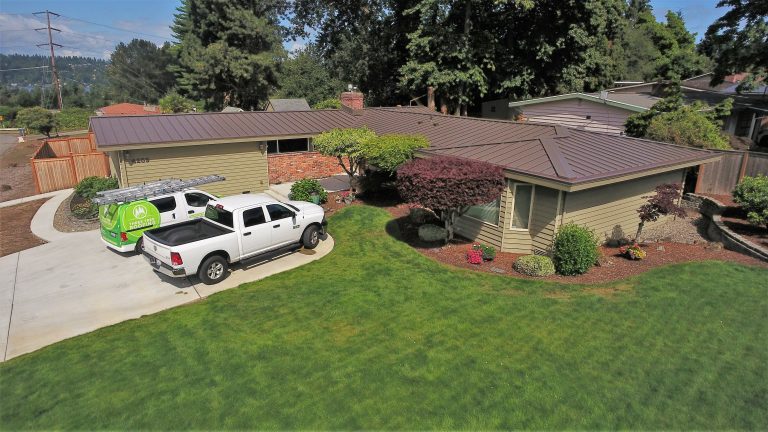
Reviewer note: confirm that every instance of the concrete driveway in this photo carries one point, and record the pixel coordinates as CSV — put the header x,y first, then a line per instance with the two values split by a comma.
x,y
74,285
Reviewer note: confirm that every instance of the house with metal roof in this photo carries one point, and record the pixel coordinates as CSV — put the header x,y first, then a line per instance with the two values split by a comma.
x,y
554,174
606,111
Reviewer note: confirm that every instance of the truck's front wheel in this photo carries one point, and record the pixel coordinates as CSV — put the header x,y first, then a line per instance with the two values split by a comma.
x,y
213,270
311,237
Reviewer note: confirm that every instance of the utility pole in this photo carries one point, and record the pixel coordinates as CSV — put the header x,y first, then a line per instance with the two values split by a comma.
x,y
56,81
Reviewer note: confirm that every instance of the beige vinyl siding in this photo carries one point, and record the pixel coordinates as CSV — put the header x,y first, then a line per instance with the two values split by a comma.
x,y
573,112
114,166
482,232
612,210
243,165
515,240
544,219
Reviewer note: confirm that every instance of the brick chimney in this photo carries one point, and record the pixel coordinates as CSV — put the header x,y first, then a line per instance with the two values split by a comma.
x,y
352,99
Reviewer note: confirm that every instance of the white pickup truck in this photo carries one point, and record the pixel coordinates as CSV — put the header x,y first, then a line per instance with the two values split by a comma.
x,y
233,229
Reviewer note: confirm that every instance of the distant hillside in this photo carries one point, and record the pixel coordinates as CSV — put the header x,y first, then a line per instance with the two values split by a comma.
x,y
85,70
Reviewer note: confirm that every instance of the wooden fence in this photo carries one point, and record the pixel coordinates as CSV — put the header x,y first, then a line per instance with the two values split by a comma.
x,y
62,163
719,178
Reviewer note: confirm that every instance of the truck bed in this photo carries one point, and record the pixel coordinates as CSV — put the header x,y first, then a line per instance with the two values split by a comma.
x,y
186,232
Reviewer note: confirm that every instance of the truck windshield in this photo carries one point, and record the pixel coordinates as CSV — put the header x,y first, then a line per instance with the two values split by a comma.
x,y
219,215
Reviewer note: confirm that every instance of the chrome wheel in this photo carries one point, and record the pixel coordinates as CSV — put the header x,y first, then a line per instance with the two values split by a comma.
x,y
315,237
215,270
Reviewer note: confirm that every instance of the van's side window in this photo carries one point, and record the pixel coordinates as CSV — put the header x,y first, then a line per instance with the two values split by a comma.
x,y
253,217
164,204
196,199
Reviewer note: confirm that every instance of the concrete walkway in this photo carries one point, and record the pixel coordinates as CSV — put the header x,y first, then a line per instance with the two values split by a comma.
x,y
21,200
335,183
74,285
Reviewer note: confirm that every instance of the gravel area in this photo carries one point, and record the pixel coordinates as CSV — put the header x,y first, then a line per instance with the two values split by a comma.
x,y
689,230
64,221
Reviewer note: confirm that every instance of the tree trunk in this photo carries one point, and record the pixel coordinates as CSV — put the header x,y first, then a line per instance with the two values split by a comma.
x,y
639,230
449,219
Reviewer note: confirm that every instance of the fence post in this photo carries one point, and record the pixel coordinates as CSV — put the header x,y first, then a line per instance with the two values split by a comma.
x,y
34,175
743,170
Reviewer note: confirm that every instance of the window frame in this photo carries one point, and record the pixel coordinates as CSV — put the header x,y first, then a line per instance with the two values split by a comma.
x,y
160,199
263,215
498,219
186,198
267,213
310,147
530,209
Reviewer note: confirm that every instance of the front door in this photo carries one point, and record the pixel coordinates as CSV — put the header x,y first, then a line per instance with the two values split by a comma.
x,y
256,233
169,210
281,221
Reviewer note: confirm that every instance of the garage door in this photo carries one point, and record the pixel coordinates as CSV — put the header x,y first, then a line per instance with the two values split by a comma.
x,y
243,164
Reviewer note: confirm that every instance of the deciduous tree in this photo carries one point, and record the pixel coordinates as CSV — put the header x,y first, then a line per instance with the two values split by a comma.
x,y
346,145
663,203
307,75
449,186
37,119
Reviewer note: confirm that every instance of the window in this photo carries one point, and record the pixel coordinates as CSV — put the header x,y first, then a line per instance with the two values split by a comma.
x,y
164,204
288,145
521,208
196,199
277,212
254,217
219,215
493,108
488,213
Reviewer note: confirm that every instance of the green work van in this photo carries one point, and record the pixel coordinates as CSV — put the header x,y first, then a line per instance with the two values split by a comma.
x,y
122,224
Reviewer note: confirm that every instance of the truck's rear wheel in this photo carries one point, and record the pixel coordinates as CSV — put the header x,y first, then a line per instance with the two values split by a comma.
x,y
311,237
139,242
213,270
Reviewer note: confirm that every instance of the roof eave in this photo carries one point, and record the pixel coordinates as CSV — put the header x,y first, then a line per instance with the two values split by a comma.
x,y
588,98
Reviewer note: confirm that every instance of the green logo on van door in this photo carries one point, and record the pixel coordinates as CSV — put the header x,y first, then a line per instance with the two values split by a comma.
x,y
140,215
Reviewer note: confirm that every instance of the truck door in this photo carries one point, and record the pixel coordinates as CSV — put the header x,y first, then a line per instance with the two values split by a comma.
x,y
256,233
169,211
196,202
281,221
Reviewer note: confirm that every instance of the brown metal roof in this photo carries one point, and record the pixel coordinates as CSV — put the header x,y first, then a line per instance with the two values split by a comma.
x,y
556,153
579,156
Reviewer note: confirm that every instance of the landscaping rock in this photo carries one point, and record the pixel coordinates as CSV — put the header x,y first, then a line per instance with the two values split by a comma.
x,y
432,233
420,215
604,261
660,248
716,246
498,270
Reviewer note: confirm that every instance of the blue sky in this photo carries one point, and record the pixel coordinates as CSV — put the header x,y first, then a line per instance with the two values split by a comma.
x,y
150,19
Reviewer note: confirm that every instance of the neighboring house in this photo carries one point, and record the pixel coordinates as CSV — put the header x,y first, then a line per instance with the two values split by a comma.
x,y
554,174
608,110
287,105
228,109
127,109
602,112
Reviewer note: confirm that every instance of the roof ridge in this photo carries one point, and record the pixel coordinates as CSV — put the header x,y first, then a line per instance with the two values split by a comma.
x,y
436,113
559,163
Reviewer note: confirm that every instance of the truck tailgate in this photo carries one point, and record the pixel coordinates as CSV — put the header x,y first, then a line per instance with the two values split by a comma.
x,y
157,250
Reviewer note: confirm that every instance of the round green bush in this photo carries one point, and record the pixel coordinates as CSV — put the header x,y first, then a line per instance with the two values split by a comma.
x,y
432,233
88,186
303,189
752,194
575,249
534,265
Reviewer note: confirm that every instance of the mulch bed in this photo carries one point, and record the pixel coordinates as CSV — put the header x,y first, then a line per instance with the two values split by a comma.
x,y
614,266
65,221
15,172
735,219
15,233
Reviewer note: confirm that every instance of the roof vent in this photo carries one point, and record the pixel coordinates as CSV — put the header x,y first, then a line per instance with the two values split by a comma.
x,y
604,94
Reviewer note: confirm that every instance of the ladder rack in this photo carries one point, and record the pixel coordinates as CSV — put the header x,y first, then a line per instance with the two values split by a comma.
x,y
151,189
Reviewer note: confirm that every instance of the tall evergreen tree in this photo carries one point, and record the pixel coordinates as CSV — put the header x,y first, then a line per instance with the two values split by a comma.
x,y
306,75
229,51
738,40
139,71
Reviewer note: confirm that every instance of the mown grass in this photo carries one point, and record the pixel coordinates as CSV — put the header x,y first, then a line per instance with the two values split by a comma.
x,y
376,336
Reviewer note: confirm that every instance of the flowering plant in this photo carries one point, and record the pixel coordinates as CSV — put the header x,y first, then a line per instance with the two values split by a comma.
x,y
633,252
474,256
488,252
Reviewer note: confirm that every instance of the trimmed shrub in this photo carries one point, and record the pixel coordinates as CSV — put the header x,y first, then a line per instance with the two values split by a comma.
x,y
387,152
303,190
74,118
88,186
575,249
534,265
752,195
432,233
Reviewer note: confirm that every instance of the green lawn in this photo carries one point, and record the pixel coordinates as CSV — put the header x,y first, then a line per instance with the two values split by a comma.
x,y
376,336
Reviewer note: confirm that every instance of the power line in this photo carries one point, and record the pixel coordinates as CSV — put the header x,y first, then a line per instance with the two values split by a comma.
x,y
116,28
24,68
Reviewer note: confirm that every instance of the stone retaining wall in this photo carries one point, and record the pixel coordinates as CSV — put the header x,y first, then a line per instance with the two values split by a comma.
x,y
717,231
